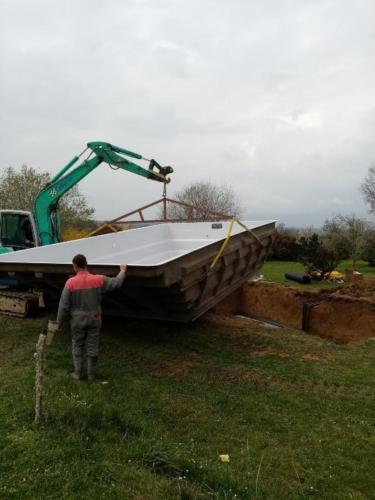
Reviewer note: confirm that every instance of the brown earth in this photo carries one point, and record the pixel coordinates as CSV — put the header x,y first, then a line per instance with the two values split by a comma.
x,y
178,367
345,314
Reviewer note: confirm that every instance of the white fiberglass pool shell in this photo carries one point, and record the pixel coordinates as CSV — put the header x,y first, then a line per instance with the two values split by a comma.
x,y
145,246
170,275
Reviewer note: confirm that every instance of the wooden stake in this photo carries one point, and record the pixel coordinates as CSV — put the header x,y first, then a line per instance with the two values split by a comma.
x,y
39,378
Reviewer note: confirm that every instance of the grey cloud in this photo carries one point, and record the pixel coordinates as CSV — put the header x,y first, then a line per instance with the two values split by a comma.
x,y
273,97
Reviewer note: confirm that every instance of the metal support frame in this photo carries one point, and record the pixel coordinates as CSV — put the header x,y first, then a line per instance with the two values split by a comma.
x,y
113,225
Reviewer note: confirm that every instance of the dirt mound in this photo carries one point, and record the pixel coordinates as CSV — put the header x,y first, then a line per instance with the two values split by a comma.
x,y
345,314
364,289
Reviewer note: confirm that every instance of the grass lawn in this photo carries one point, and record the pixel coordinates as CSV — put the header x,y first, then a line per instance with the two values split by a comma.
x,y
295,413
274,270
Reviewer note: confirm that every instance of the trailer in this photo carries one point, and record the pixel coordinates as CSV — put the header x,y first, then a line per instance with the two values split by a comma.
x,y
176,271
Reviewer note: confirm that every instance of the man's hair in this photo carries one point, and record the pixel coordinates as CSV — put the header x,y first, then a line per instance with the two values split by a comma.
x,y
80,261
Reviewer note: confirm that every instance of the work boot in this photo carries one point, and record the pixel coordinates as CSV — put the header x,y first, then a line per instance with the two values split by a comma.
x,y
77,362
91,365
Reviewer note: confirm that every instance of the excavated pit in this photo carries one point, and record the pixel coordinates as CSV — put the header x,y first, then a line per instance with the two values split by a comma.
x,y
345,314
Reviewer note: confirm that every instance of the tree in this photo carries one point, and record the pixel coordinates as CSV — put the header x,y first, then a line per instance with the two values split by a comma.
x,y
368,188
284,246
316,256
368,253
18,190
209,198
346,235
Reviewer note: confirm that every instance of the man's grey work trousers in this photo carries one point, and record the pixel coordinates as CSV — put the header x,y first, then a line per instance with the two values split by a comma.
x,y
85,335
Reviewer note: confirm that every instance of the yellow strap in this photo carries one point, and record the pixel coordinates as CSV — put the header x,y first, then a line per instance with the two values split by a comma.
x,y
225,242
223,245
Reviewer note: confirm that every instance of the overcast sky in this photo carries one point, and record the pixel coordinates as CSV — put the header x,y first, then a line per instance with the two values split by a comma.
x,y
274,97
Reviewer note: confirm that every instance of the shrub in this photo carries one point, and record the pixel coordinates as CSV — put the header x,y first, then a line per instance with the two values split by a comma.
x,y
368,253
284,247
316,256
74,234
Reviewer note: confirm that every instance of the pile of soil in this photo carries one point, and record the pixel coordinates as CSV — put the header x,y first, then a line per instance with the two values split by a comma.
x,y
345,314
361,289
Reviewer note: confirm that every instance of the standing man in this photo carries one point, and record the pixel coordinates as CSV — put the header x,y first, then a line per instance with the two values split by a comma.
x,y
81,299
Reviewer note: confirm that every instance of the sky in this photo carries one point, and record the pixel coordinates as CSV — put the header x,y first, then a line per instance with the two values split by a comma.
x,y
273,98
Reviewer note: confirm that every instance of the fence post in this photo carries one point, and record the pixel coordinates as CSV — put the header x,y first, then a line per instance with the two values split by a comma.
x,y
39,378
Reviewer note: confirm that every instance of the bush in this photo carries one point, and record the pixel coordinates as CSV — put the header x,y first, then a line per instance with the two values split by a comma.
x,y
284,247
316,256
368,253
74,234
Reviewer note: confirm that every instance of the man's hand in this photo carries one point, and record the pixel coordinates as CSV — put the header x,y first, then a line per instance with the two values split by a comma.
x,y
123,267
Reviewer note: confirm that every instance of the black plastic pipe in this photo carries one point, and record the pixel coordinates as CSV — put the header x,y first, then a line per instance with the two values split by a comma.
x,y
299,278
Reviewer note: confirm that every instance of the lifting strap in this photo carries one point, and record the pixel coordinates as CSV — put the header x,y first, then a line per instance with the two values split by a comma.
x,y
229,234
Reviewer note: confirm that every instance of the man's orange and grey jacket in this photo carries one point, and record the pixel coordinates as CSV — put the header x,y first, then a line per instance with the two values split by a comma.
x,y
82,297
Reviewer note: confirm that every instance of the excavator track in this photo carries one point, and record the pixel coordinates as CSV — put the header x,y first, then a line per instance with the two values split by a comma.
x,y
18,304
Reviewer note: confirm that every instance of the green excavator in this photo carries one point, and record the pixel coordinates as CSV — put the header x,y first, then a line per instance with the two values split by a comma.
x,y
20,229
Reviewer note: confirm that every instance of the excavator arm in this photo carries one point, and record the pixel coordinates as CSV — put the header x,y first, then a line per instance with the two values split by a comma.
x,y
47,202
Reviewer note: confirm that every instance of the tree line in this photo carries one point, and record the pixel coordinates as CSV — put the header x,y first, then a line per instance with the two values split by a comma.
x,y
342,237
19,188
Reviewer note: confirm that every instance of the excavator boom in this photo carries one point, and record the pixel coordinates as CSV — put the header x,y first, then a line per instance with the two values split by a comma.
x,y
47,202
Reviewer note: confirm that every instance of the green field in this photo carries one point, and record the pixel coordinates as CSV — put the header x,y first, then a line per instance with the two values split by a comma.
x,y
295,413
274,270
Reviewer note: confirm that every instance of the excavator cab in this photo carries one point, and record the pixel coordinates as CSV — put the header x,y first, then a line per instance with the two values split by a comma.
x,y
17,230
